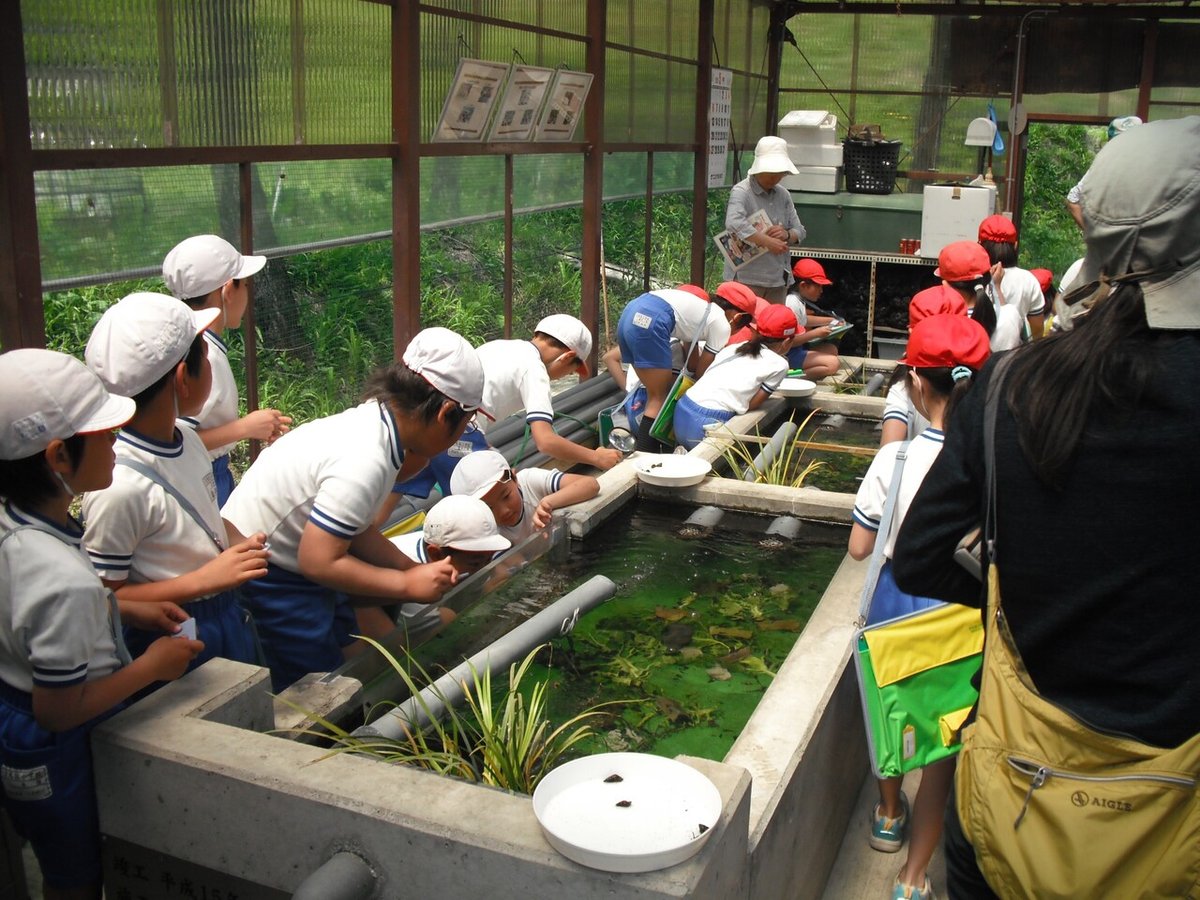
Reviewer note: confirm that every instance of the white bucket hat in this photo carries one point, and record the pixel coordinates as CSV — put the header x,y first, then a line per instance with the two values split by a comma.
x,y
1143,221
478,472
463,523
572,332
199,265
771,156
450,364
51,396
140,338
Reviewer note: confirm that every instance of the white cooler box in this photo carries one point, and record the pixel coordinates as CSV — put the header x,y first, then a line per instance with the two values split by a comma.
x,y
817,179
951,212
809,127
816,154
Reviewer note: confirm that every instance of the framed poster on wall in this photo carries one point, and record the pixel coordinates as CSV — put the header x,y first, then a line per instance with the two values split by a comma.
x,y
473,94
516,114
564,105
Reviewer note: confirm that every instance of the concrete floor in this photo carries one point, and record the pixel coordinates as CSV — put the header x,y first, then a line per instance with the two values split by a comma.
x,y
861,873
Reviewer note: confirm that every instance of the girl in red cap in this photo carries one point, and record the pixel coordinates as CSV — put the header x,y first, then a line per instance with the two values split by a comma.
x,y
965,266
944,353
811,349
740,379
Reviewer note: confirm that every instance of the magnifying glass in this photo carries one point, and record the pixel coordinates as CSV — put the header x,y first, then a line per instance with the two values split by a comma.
x,y
622,439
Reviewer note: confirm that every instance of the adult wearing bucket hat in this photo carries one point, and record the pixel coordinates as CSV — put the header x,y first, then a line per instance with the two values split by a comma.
x,y
1075,205
1102,457
761,194
316,493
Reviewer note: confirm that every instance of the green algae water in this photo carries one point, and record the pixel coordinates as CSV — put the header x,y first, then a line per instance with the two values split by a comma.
x,y
689,643
841,472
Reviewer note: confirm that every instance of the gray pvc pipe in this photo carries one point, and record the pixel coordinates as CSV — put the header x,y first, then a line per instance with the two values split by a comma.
x,y
770,450
557,619
705,517
344,876
784,527
875,383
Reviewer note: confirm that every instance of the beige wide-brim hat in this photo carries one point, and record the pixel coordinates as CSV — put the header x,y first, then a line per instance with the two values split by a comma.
x,y
771,156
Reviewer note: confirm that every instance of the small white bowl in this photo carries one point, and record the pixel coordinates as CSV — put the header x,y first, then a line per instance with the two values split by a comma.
x,y
796,387
672,470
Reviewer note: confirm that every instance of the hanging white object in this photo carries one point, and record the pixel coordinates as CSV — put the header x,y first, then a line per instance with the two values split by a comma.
x,y
981,132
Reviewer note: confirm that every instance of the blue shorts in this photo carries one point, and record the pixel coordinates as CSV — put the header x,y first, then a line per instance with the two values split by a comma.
x,y
795,357
644,332
221,622
49,791
442,466
224,479
690,419
302,625
635,405
889,602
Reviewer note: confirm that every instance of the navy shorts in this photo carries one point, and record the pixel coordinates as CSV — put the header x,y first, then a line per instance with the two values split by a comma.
x,y
49,791
690,419
442,466
302,625
795,358
223,478
221,622
644,332
889,602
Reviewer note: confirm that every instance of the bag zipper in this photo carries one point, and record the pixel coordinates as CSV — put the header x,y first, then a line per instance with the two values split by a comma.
x,y
1041,774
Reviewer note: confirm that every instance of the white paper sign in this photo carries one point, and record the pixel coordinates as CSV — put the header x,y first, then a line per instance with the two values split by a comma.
x,y
516,116
720,108
473,93
564,108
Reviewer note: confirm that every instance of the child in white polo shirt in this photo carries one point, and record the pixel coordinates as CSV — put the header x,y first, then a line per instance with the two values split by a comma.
x,y
318,489
207,272
522,502
156,533
740,379
63,664
458,528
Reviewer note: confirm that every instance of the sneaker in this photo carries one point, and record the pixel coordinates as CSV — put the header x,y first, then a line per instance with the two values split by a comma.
x,y
887,835
902,891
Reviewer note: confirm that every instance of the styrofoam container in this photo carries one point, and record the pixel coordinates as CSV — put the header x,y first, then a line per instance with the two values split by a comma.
x,y
796,387
809,126
626,812
952,212
671,470
816,154
818,179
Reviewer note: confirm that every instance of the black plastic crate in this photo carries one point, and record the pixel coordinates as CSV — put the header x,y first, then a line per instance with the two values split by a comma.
x,y
870,166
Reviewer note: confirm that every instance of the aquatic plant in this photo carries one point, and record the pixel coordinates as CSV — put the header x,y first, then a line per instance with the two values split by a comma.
x,y
787,468
502,737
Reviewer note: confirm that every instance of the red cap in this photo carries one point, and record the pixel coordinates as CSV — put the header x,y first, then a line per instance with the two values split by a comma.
x,y
739,295
962,261
696,290
999,229
776,322
947,341
1045,278
939,300
810,270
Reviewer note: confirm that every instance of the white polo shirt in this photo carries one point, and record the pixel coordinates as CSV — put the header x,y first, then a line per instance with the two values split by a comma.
x,y
535,486
1021,289
690,313
334,472
872,493
514,378
136,532
899,406
733,379
221,407
1009,328
55,624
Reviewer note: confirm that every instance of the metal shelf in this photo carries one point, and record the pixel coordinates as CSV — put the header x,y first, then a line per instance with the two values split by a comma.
x,y
862,256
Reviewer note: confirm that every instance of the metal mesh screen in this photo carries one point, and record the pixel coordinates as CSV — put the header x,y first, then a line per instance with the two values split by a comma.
x,y
299,203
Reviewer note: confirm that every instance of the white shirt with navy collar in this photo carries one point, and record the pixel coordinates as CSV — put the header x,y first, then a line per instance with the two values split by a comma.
x,y
221,407
872,493
334,472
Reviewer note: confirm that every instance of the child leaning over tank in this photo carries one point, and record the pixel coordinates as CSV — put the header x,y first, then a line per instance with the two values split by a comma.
x,y
63,664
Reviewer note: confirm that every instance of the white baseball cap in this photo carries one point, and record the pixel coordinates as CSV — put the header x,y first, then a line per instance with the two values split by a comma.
x,y
199,265
450,364
51,396
771,155
570,331
463,523
478,472
140,338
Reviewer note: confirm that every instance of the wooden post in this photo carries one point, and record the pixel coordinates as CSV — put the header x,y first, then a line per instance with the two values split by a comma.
x,y
406,174
704,44
593,170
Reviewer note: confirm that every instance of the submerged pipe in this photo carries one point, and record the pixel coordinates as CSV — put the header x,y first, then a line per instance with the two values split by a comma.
x,y
706,517
557,619
875,383
766,456
344,876
785,527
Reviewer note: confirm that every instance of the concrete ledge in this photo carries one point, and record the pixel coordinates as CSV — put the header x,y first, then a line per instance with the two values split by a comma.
x,y
270,811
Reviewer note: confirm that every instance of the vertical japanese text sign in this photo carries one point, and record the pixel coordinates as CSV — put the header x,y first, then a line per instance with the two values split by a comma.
x,y
719,109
